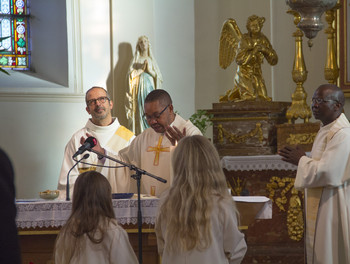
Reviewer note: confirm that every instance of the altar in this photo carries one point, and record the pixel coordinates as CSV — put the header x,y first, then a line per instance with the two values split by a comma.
x,y
279,240
39,222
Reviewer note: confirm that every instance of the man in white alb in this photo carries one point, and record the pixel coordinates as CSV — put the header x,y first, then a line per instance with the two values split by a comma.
x,y
325,176
151,150
109,133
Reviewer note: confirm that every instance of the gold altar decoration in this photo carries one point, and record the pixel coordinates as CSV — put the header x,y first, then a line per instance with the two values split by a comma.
x,y
295,220
293,135
310,12
248,50
301,139
331,71
247,128
236,186
299,107
233,138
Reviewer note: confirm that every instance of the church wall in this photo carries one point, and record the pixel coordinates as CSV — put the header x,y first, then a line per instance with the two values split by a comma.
x,y
42,54
34,136
130,20
184,37
175,51
209,75
95,42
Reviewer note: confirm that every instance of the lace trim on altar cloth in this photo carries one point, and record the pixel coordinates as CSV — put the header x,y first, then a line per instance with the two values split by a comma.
x,y
43,214
255,163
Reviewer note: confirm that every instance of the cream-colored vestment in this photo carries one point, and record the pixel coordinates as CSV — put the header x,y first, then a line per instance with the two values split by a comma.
x,y
326,179
151,151
114,249
113,138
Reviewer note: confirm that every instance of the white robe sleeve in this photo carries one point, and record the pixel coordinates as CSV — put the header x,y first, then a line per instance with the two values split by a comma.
x,y
121,250
68,162
333,169
71,147
191,129
235,246
132,153
160,238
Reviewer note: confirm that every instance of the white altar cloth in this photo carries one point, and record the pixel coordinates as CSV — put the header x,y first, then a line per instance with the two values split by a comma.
x,y
40,213
259,163
265,212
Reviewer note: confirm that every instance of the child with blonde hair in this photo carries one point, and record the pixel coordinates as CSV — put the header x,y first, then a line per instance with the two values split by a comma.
x,y
92,234
197,221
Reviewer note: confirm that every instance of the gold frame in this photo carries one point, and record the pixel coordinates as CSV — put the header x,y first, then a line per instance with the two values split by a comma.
x,y
343,41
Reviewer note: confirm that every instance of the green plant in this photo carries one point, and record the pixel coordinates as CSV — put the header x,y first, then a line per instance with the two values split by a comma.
x,y
202,119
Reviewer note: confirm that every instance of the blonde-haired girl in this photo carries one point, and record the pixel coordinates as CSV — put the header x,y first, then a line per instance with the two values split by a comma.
x,y
197,221
92,234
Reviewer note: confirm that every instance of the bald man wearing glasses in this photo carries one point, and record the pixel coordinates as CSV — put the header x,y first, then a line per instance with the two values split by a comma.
x,y
151,150
325,177
110,135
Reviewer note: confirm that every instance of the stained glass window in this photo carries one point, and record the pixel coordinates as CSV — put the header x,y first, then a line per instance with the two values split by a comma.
x,y
14,35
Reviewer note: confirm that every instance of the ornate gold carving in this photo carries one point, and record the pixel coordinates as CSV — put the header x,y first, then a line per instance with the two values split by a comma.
x,y
302,138
220,134
299,107
237,187
295,220
331,70
232,138
228,119
248,50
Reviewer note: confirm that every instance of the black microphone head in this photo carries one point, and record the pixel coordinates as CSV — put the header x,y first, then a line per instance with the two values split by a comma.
x,y
92,141
89,143
86,156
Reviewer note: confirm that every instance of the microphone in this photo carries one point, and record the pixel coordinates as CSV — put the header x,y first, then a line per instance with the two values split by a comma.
x,y
67,186
89,143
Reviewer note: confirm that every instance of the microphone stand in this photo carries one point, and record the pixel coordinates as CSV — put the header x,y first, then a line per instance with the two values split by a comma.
x,y
67,186
137,176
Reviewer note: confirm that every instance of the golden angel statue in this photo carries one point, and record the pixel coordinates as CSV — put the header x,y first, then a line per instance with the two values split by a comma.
x,y
249,51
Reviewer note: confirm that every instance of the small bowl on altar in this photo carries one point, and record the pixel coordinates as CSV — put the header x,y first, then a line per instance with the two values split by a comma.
x,y
49,195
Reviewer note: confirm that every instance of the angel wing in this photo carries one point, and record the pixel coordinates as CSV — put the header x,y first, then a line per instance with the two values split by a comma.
x,y
230,36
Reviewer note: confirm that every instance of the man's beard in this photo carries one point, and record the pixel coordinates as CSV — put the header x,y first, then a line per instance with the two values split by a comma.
x,y
100,116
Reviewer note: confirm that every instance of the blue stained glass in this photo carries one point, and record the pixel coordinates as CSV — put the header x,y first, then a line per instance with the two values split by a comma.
x,y
14,34
5,7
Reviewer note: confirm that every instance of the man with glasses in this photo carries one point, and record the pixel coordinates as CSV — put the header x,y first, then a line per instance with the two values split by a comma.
x,y
110,135
151,149
325,177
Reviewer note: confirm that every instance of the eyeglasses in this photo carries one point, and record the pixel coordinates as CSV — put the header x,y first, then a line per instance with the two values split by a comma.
x,y
101,100
155,116
320,100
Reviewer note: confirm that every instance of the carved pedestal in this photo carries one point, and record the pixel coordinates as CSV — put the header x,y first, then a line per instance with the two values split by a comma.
x,y
247,128
297,134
